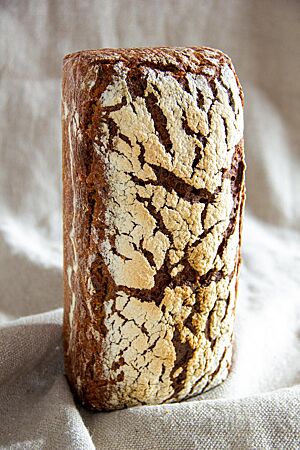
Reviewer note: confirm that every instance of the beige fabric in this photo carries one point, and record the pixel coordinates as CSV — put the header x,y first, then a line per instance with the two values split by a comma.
x,y
259,405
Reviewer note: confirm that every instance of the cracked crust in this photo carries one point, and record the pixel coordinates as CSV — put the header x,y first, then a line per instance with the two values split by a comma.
x,y
153,176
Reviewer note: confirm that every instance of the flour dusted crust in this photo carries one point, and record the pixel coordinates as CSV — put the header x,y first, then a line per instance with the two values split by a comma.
x,y
153,174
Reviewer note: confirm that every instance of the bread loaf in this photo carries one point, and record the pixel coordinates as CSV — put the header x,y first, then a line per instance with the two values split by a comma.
x,y
153,182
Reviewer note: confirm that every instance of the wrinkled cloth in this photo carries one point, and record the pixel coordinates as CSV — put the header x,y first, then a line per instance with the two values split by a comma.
x,y
258,406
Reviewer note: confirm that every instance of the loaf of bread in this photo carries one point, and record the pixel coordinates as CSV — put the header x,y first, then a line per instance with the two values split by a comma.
x,y
153,189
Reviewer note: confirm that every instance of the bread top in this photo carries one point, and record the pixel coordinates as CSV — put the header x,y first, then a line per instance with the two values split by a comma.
x,y
196,60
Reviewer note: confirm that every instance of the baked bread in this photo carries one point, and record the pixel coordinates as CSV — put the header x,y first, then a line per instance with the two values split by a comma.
x,y
153,192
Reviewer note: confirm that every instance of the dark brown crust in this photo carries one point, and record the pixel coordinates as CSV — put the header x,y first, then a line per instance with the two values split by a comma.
x,y
90,179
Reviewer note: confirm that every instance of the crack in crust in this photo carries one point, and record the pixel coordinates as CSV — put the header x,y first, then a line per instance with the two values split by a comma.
x,y
156,197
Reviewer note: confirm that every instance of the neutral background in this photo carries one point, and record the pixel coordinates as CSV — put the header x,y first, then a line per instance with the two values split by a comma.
x,y
258,406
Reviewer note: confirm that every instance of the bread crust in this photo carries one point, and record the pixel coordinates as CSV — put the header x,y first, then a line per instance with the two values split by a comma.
x,y
153,195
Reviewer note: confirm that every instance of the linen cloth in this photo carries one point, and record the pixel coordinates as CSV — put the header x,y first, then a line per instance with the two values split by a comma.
x,y
258,407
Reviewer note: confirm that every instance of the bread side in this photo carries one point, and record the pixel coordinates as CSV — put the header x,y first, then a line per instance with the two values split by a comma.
x,y
153,175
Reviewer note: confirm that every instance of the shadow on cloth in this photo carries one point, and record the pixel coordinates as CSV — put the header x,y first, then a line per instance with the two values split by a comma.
x,y
27,287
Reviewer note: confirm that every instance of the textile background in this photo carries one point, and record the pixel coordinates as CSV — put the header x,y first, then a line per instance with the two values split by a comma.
x,y
259,405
